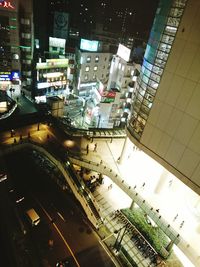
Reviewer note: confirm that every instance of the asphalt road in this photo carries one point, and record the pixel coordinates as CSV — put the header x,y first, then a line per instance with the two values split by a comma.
x,y
62,219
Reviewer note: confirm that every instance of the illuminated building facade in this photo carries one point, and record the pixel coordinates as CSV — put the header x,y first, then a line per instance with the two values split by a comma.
x,y
15,44
53,78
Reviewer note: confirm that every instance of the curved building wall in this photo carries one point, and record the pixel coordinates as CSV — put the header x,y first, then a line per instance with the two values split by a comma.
x,y
165,118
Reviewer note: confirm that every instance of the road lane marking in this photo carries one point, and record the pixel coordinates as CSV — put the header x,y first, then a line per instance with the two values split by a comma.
x,y
66,245
62,237
60,215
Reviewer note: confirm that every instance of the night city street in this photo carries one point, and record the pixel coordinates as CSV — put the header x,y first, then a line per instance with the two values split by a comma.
x,y
62,219
99,133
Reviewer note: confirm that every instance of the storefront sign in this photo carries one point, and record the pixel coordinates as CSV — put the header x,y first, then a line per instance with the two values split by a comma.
x,y
9,76
49,84
108,96
6,4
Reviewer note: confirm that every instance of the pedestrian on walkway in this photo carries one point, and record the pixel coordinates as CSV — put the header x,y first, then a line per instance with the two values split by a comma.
x,y
110,187
95,147
175,217
181,225
87,149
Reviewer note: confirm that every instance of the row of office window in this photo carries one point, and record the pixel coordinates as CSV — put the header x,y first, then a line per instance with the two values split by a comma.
x,y
88,68
94,77
96,59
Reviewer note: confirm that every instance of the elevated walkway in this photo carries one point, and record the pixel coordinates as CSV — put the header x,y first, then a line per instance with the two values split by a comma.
x,y
131,192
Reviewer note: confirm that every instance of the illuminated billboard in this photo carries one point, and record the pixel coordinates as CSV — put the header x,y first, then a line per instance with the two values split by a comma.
x,y
123,52
89,45
57,42
9,76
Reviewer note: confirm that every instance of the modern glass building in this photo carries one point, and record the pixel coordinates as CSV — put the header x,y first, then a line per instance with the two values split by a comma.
x,y
166,23
165,117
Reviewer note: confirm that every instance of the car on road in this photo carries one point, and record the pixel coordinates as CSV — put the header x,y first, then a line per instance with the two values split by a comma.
x,y
64,263
16,196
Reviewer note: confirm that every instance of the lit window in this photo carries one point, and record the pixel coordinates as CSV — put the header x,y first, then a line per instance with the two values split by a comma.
x,y
95,68
97,59
87,68
119,66
123,67
86,77
88,59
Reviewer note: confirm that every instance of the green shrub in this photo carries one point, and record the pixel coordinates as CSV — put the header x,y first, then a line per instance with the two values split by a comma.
x,y
154,235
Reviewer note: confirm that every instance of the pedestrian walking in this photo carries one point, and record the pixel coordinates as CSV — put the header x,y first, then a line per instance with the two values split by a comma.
x,y
175,217
181,225
95,147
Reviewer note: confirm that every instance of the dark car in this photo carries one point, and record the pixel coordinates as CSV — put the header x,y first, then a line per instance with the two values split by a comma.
x,y
64,263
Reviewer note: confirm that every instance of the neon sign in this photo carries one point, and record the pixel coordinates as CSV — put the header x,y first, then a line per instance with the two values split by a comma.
x,y
6,4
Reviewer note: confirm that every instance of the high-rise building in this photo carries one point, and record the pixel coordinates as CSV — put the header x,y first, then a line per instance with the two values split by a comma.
x,y
165,119
16,50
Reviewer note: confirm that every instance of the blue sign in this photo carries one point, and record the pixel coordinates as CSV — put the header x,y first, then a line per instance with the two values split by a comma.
x,y
14,75
9,76
89,45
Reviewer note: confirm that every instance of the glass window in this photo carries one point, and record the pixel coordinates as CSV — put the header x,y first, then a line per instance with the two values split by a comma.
x,y
153,84
95,68
167,39
159,62
174,22
97,59
86,77
140,98
155,77
157,70
165,47
88,59
147,64
162,55
87,68
170,30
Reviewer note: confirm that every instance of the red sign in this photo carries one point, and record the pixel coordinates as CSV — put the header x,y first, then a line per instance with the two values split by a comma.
x,y
6,4
108,94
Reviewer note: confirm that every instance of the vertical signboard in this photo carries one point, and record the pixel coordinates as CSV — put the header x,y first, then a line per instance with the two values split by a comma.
x,y
61,25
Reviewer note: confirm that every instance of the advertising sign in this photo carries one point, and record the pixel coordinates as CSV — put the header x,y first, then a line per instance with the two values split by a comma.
x,y
57,42
5,75
9,75
123,52
89,45
108,97
61,21
52,63
6,4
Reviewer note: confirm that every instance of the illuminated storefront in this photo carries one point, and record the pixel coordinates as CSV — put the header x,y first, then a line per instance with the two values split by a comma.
x,y
53,77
